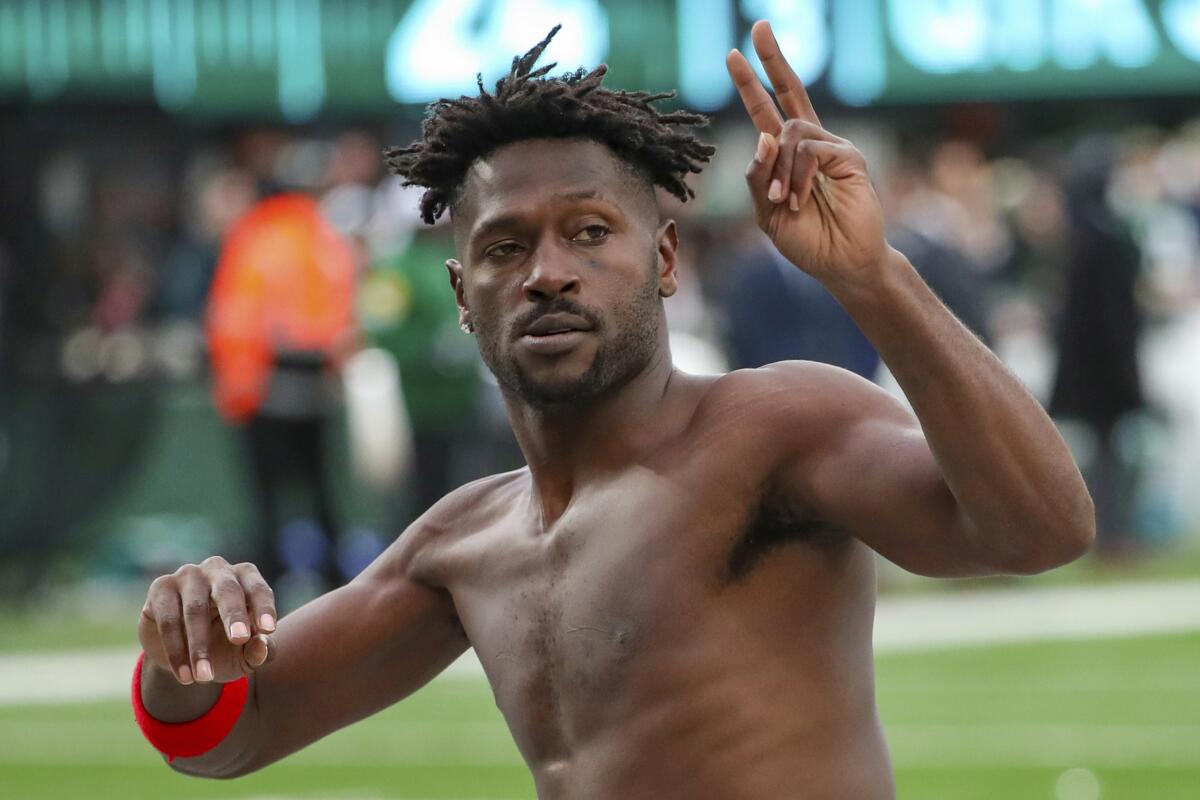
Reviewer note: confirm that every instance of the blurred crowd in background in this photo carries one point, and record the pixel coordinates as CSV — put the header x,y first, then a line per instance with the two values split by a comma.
x,y
1074,253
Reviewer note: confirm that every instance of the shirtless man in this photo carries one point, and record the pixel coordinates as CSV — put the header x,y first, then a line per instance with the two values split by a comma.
x,y
674,599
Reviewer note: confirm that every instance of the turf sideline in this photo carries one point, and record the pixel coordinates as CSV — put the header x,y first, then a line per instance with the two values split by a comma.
x,y
928,622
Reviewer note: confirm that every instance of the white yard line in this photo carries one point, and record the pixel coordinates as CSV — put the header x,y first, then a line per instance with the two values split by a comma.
x,y
1029,615
970,618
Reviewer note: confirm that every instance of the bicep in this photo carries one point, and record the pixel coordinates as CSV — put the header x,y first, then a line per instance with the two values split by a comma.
x,y
350,653
871,473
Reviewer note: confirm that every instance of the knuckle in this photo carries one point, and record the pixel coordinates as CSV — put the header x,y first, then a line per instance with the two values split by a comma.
x,y
195,608
226,585
167,624
172,640
186,571
197,639
214,562
250,576
176,653
760,106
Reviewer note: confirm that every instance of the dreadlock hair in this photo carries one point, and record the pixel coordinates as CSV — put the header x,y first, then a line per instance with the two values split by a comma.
x,y
528,105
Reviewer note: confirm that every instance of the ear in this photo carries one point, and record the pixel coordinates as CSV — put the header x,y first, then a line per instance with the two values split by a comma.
x,y
460,297
666,240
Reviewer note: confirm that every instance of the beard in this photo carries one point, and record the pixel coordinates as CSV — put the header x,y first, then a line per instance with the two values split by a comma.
x,y
616,362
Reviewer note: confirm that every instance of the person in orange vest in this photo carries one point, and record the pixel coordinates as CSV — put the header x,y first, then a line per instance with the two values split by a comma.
x,y
280,318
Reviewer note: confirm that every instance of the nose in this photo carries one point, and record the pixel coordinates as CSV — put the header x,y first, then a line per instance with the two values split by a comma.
x,y
553,274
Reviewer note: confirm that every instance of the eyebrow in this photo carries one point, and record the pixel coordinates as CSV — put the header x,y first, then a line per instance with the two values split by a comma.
x,y
509,220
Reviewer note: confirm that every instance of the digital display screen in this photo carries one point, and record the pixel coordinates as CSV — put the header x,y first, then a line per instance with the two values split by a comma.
x,y
297,59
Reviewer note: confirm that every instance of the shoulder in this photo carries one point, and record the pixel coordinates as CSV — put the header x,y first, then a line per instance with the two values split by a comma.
x,y
418,551
471,504
791,389
794,404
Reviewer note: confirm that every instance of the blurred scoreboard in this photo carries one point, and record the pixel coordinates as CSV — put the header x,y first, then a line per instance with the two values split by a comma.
x,y
297,59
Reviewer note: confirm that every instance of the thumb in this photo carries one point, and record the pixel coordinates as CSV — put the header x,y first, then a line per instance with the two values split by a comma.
x,y
258,651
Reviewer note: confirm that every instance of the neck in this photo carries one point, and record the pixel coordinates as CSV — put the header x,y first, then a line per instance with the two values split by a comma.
x,y
566,447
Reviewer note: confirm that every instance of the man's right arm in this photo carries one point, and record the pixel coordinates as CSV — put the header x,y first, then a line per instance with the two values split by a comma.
x,y
338,659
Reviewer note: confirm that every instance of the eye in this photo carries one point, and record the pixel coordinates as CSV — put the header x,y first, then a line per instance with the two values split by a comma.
x,y
502,250
592,233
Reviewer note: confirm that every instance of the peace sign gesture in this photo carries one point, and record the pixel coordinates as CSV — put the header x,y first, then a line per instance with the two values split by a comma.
x,y
810,188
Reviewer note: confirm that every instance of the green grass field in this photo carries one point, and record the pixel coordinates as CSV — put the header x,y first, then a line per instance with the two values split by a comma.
x,y
1002,722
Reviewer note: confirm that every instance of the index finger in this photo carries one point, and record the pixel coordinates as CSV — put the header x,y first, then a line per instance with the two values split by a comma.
x,y
755,98
789,89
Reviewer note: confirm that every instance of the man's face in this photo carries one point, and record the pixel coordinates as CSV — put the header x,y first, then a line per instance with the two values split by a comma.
x,y
564,265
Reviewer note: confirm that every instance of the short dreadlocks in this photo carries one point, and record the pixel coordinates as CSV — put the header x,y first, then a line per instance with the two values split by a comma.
x,y
528,105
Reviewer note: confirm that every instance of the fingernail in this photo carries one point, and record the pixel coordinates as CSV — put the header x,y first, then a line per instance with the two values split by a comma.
x,y
760,152
775,193
238,630
266,622
204,671
793,202
185,674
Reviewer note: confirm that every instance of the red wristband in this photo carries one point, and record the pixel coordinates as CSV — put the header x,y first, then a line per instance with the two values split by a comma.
x,y
189,739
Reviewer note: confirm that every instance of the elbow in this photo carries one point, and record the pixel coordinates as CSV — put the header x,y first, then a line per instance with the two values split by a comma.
x,y
1050,555
1077,531
1067,538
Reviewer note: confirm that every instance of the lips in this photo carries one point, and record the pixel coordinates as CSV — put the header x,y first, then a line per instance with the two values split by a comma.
x,y
552,335
551,324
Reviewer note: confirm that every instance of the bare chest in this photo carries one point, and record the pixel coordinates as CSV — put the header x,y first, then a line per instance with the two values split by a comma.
x,y
557,616
577,623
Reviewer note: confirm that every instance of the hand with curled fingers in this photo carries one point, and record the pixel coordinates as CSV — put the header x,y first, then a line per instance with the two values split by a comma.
x,y
209,622
810,188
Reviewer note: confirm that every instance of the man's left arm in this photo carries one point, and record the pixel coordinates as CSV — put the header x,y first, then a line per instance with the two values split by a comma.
x,y
981,481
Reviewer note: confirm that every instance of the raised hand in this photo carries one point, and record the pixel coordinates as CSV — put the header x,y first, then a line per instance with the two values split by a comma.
x,y
209,622
810,188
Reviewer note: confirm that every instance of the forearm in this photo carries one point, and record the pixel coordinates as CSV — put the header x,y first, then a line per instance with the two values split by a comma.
x,y
1010,471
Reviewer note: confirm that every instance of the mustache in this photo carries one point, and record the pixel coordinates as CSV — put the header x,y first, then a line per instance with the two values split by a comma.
x,y
560,305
